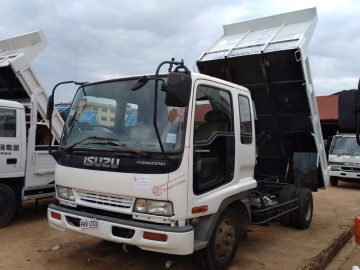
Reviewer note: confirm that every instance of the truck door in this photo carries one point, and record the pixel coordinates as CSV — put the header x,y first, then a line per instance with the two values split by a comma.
x,y
214,142
10,138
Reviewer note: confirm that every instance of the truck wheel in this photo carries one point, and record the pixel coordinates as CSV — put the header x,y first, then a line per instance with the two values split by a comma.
x,y
221,249
303,215
286,194
7,205
334,181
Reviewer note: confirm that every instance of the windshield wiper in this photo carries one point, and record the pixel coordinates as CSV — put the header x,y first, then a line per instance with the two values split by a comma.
x,y
105,140
131,149
342,154
71,146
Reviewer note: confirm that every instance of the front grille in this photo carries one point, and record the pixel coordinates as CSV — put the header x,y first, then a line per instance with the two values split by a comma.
x,y
104,201
350,169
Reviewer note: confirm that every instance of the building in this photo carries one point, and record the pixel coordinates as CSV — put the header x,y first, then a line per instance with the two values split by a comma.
x,y
328,111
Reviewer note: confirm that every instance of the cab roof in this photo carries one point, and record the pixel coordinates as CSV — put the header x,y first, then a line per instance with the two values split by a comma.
x,y
10,104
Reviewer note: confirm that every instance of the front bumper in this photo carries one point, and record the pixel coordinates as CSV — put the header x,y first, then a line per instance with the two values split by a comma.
x,y
345,174
180,240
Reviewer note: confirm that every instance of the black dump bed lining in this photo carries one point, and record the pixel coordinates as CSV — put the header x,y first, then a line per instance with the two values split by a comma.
x,y
277,85
10,87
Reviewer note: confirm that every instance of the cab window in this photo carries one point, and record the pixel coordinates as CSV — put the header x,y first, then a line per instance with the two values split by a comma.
x,y
214,141
7,122
246,128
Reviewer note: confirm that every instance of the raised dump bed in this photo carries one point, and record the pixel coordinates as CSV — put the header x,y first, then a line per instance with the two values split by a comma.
x,y
269,56
18,81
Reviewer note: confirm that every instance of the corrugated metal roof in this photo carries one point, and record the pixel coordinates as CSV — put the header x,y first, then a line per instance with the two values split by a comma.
x,y
328,107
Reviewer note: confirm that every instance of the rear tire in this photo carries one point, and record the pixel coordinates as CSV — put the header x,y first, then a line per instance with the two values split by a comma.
x,y
8,205
286,194
303,215
221,249
334,181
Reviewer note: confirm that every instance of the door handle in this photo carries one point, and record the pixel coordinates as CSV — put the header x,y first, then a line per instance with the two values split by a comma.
x,y
11,161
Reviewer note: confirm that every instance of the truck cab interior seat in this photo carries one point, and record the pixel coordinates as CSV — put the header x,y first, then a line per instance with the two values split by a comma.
x,y
214,121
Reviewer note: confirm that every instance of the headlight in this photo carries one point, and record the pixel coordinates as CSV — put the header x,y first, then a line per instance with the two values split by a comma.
x,y
65,193
152,207
335,167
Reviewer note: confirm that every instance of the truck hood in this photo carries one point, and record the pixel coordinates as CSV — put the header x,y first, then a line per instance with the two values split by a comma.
x,y
112,183
344,159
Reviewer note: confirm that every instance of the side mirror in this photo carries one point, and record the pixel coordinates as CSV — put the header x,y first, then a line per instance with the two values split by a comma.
x,y
50,107
178,89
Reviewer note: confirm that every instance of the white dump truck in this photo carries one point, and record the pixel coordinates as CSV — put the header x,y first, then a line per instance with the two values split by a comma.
x,y
344,158
26,168
183,162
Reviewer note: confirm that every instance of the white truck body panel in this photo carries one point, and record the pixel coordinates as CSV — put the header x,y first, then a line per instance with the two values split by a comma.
x,y
12,147
245,154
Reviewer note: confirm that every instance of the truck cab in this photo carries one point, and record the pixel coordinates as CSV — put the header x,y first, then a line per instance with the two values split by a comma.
x,y
12,139
344,158
207,162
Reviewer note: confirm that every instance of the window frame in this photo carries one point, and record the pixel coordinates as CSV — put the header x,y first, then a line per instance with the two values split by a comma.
x,y
232,117
249,135
201,145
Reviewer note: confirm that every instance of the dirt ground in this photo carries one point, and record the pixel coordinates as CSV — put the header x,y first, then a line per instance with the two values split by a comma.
x,y
29,243
348,257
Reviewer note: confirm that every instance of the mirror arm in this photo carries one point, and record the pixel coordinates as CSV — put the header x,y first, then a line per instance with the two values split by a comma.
x,y
50,107
171,63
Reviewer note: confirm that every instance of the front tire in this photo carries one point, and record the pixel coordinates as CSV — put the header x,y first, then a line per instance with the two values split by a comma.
x,y
7,205
334,181
222,247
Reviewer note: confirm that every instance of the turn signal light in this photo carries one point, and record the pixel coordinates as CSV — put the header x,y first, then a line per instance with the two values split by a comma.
x,y
155,236
357,230
199,209
55,215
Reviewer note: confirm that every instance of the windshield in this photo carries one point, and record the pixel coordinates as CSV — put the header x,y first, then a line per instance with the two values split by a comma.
x,y
344,146
113,111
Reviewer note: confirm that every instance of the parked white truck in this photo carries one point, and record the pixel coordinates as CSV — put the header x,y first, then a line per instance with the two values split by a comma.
x,y
344,158
26,168
197,163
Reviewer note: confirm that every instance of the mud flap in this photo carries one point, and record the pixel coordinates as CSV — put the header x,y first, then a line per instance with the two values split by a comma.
x,y
305,170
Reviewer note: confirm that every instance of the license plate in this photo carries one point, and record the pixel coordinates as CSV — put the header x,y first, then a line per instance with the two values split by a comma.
x,y
88,223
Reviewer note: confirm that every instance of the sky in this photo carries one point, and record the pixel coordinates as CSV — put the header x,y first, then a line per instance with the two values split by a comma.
x,y
96,40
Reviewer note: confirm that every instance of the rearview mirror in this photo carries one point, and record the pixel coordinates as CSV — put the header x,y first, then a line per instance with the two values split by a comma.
x,y
50,107
178,89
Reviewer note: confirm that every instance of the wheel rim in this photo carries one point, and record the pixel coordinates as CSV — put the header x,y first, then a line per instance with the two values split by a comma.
x,y
225,239
307,209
